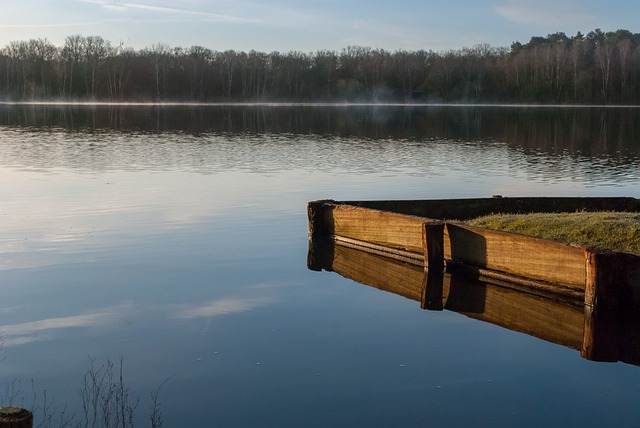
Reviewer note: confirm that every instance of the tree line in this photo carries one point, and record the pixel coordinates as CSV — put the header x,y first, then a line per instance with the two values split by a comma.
x,y
599,67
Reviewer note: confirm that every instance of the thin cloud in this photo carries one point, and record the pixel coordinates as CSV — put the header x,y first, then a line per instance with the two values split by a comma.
x,y
223,307
206,15
33,331
40,330
128,7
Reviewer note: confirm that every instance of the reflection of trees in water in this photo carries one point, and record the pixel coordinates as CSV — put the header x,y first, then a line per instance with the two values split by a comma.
x,y
591,131
583,142
590,144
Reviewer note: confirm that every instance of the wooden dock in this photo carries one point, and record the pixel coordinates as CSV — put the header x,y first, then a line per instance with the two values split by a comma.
x,y
431,236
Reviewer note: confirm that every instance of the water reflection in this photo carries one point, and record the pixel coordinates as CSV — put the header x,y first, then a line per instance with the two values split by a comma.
x,y
35,331
173,236
611,334
108,318
590,145
589,131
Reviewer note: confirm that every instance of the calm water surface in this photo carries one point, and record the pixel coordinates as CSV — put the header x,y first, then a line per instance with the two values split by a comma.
x,y
175,238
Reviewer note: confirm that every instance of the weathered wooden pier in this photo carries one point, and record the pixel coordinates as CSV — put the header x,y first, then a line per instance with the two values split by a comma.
x,y
430,236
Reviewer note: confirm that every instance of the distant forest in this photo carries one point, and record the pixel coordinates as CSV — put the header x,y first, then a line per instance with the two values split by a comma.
x,y
599,67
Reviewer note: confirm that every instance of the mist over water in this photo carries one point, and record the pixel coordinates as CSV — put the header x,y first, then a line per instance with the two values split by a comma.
x,y
175,236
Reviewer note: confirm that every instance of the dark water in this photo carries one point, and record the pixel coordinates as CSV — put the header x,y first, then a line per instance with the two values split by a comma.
x,y
175,238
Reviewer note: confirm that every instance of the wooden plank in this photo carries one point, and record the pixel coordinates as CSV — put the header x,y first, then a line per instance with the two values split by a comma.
x,y
379,272
536,316
559,292
378,227
515,254
380,250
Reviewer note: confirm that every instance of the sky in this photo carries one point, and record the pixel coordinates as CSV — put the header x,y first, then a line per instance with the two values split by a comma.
x,y
311,25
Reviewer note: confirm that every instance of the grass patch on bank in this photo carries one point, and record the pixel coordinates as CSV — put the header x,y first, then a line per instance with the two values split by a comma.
x,y
604,230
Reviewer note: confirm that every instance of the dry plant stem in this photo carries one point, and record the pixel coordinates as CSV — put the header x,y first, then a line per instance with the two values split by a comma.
x,y
106,399
156,414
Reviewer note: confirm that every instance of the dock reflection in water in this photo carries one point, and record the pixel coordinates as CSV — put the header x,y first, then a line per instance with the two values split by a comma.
x,y
599,334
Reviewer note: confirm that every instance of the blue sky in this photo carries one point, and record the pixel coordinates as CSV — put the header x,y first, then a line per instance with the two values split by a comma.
x,y
309,25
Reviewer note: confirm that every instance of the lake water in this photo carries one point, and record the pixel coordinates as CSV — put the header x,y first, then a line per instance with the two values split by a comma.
x,y
175,238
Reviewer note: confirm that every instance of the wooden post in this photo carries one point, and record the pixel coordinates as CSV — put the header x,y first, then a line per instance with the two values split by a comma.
x,y
320,255
601,303
433,244
15,417
315,213
432,294
317,235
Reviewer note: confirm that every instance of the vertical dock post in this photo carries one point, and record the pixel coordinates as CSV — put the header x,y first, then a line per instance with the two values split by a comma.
x,y
15,417
601,303
433,245
317,234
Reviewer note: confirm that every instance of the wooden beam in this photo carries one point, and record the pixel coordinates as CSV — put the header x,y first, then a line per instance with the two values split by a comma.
x,y
379,272
380,250
520,255
394,230
558,292
547,319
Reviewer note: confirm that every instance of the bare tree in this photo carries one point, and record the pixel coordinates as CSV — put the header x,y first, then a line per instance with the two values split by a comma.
x,y
96,50
159,55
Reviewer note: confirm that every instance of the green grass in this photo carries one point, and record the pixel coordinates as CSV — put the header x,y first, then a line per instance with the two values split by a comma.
x,y
605,230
